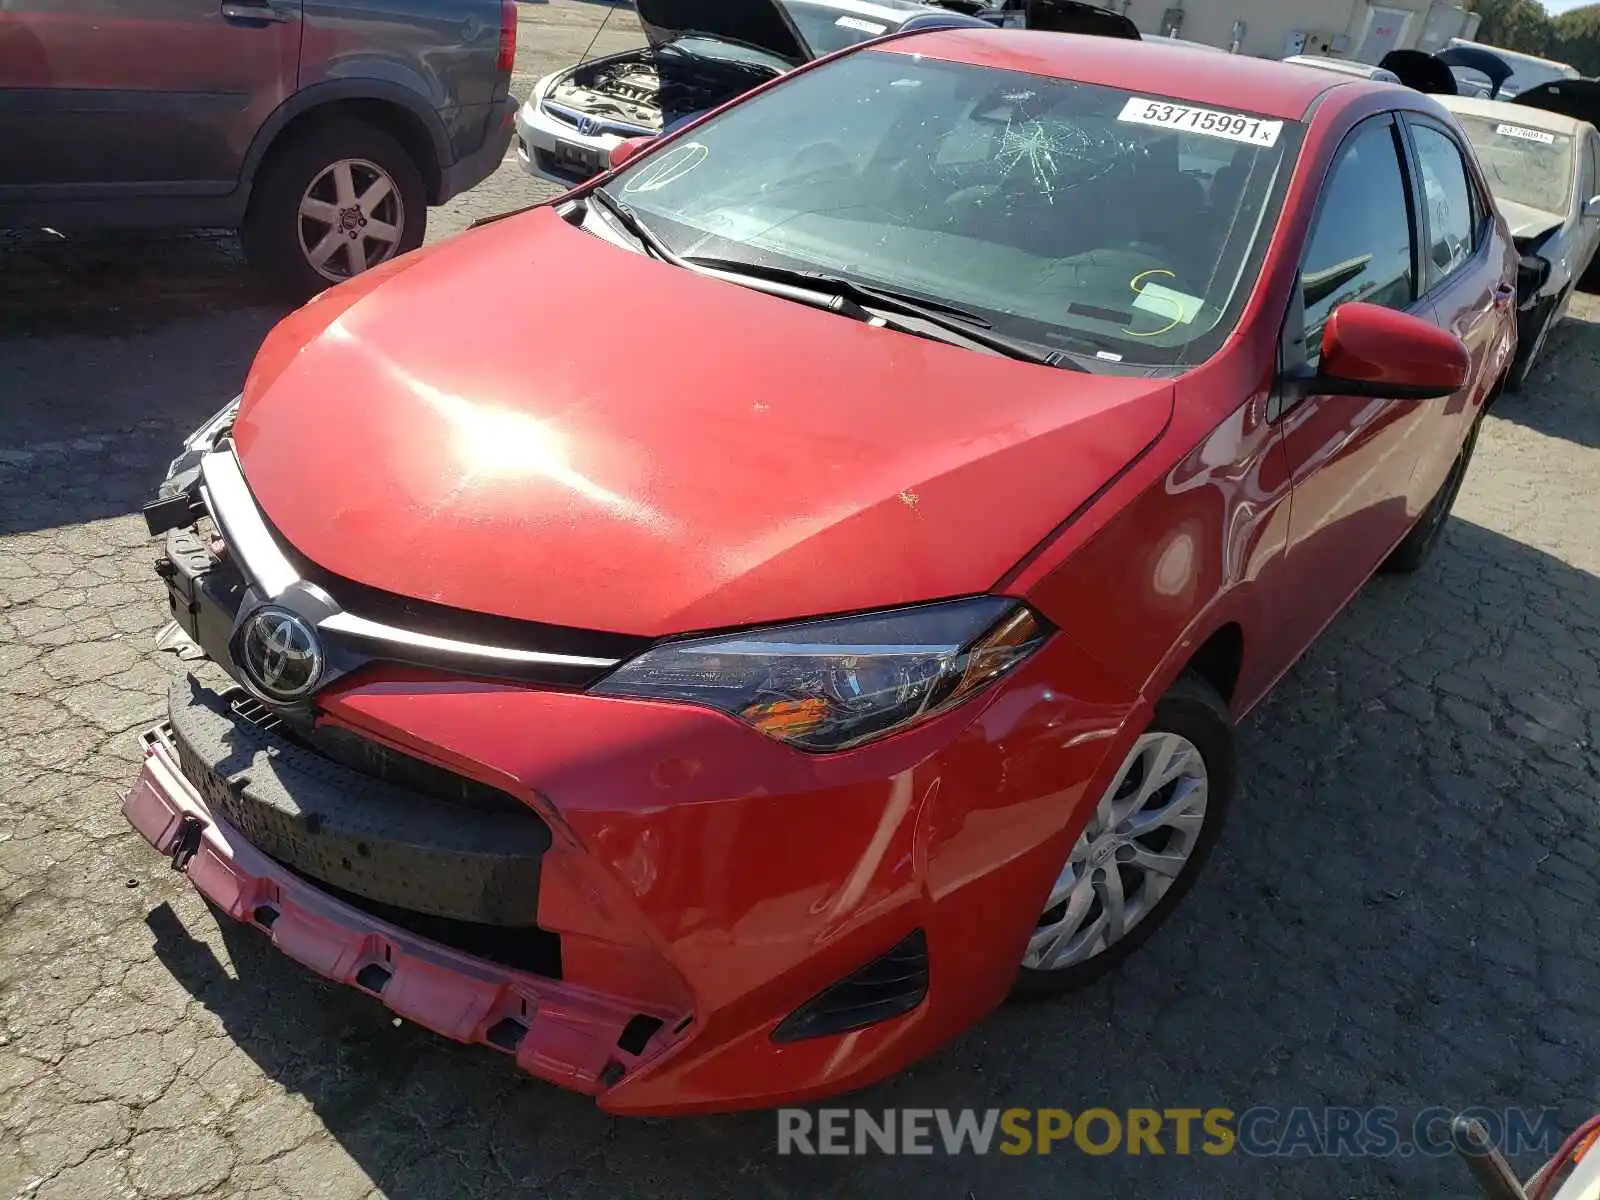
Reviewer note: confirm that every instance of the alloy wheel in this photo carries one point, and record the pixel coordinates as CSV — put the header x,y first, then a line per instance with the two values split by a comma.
x,y
350,219
1137,844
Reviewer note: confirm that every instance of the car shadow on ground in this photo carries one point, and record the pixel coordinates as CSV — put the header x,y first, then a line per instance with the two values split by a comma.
x,y
119,281
112,349
1557,400
1400,915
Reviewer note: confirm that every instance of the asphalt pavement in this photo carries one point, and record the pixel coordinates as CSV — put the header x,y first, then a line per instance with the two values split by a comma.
x,y
1402,912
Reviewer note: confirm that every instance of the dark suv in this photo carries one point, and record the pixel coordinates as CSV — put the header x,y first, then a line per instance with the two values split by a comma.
x,y
321,130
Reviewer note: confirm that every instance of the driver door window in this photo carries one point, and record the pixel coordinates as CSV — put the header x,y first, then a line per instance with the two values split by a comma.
x,y
1361,245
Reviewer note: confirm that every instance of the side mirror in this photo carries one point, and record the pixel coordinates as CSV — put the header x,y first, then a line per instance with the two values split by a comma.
x,y
623,151
1591,207
1378,352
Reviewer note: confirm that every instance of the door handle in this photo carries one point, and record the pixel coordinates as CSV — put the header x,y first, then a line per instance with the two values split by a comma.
x,y
252,12
1504,294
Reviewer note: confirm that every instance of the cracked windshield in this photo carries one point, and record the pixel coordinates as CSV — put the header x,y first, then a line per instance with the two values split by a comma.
x,y
1524,166
1112,225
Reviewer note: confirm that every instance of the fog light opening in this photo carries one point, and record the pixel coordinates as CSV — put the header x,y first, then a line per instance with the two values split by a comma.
x,y
507,1034
373,978
636,1034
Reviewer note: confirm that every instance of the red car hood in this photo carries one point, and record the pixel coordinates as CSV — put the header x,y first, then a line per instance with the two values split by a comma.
x,y
649,451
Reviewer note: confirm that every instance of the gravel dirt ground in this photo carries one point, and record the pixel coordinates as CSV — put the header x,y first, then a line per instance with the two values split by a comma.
x,y
1402,912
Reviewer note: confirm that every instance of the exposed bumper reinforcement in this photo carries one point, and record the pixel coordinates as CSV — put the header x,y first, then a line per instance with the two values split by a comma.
x,y
563,1034
362,835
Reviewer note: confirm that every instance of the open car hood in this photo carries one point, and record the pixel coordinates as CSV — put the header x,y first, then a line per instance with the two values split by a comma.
x,y
1074,16
1427,73
1528,224
1576,98
1485,62
759,23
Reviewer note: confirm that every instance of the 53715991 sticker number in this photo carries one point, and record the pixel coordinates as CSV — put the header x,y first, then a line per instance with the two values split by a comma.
x,y
1234,127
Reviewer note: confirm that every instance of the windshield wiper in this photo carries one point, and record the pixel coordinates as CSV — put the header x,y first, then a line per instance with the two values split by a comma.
x,y
882,297
949,318
833,292
815,297
637,229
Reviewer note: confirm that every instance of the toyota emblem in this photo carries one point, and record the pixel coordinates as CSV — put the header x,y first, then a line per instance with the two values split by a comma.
x,y
588,126
280,654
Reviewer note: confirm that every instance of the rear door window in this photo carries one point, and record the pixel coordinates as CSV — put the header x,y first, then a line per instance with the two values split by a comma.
x,y
1447,196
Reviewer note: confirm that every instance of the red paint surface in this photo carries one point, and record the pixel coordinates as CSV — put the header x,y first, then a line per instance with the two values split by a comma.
x,y
1379,345
738,459
513,464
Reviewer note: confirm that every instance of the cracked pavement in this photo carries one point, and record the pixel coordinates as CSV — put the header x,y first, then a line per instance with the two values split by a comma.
x,y
1401,912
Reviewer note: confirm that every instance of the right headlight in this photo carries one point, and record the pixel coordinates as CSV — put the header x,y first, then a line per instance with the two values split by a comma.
x,y
839,682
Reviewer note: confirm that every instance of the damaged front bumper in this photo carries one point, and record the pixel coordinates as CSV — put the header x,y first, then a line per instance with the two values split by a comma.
x,y
566,1035
648,902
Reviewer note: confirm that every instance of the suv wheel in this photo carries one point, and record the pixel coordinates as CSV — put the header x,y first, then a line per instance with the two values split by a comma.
x,y
337,200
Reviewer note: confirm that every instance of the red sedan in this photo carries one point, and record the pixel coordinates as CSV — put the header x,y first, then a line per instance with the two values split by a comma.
x,y
828,609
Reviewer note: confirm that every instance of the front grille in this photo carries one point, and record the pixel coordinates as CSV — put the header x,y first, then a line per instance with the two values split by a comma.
x,y
565,115
886,987
463,625
549,164
397,628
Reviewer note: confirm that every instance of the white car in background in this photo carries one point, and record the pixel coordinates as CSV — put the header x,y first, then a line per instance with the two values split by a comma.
x,y
1544,170
701,53
1344,66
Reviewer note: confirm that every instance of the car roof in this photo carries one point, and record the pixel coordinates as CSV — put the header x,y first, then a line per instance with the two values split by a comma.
x,y
1516,114
1347,65
891,12
1251,84
1163,40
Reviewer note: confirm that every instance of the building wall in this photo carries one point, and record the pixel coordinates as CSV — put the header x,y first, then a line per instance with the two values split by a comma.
x,y
1269,24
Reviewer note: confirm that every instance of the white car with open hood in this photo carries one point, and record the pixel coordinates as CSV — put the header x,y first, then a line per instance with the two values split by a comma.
x,y
1543,168
701,53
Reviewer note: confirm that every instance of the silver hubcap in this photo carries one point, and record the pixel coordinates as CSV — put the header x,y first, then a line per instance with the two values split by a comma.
x,y
350,219
1135,846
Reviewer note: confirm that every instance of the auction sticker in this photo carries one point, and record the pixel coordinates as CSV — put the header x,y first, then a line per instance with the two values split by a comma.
x,y
1527,135
1234,127
861,26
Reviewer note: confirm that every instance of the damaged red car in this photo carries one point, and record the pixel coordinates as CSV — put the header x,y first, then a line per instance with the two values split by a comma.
x,y
727,711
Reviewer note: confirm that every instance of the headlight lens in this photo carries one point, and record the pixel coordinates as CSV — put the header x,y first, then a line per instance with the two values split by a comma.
x,y
836,683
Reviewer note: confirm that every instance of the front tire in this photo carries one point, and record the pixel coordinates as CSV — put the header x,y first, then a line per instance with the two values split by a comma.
x,y
336,200
1144,847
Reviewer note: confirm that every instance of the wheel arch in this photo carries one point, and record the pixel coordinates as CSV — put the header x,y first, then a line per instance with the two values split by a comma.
x,y
1216,648
388,106
1219,660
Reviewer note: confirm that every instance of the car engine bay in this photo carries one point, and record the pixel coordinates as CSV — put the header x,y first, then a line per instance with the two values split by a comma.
x,y
653,88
